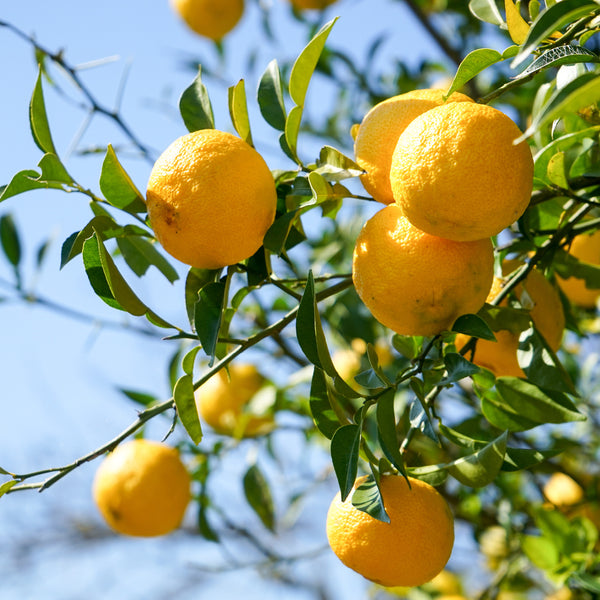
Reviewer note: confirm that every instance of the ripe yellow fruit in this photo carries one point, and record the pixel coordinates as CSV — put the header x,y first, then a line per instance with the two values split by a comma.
x,y
409,550
142,488
378,134
210,18
457,173
563,593
563,491
211,198
447,584
415,283
222,401
493,544
547,313
311,4
586,248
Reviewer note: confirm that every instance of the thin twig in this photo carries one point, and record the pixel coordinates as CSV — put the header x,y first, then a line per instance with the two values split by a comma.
x,y
95,106
153,411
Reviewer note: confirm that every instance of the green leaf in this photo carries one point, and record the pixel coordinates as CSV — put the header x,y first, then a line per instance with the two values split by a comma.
x,y
561,55
577,94
277,235
561,144
205,528
208,315
110,285
345,446
139,397
53,171
9,239
540,551
196,279
6,486
117,186
99,268
140,253
541,365
500,414
473,326
586,581
292,129
105,227
305,64
38,119
557,171
183,395
487,11
53,176
554,525
551,20
367,498
386,428
474,63
258,495
309,330
195,107
188,361
482,467
238,110
421,421
520,459
270,97
457,368
300,76
335,166
409,346
320,406
534,404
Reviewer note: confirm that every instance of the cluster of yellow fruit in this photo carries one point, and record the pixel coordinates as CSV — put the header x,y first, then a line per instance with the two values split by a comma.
x,y
214,19
452,177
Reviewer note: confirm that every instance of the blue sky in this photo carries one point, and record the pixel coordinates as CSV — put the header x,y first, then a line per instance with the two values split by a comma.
x,y
59,376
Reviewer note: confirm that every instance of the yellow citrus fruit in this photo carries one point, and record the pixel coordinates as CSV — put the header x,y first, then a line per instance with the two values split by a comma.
x,y
415,283
379,131
311,4
538,295
493,544
142,488
223,400
563,491
586,248
409,550
211,198
563,593
446,583
210,18
457,173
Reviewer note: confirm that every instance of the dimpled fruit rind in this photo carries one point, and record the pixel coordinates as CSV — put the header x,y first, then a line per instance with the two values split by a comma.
x,y
211,198
457,173
409,550
415,283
